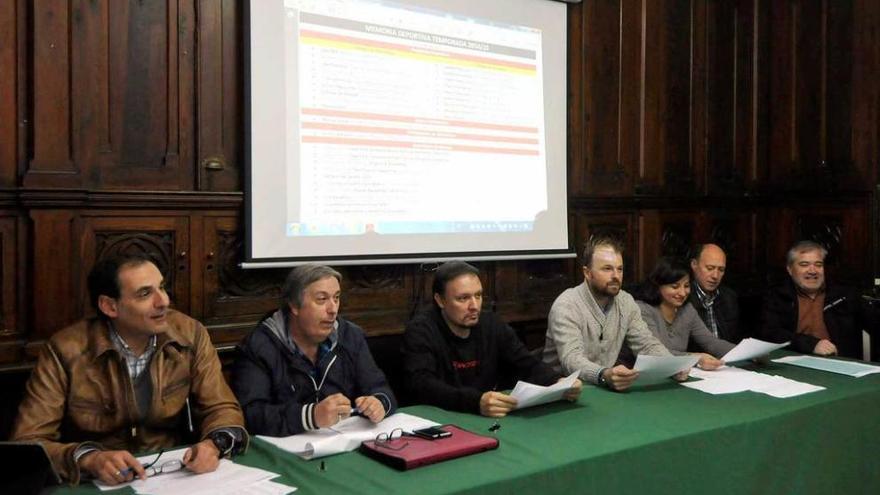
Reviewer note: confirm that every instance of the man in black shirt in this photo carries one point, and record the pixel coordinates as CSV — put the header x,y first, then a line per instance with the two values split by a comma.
x,y
455,357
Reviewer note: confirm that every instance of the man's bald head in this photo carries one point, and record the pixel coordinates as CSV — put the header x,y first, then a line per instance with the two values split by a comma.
x,y
708,264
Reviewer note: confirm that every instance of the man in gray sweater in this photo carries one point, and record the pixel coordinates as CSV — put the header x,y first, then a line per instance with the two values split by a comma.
x,y
587,324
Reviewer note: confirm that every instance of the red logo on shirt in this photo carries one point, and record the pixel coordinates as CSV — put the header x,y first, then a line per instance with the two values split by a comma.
x,y
463,365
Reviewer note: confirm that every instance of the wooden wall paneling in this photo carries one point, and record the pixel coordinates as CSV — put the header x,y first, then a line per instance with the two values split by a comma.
x,y
667,98
162,236
53,304
700,104
865,100
839,56
782,115
577,117
840,228
730,94
732,229
379,297
220,98
810,41
12,285
632,90
618,225
232,299
10,50
526,289
113,95
665,233
51,161
601,171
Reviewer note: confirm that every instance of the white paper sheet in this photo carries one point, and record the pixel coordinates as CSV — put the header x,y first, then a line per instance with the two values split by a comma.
x,y
345,436
849,368
654,369
228,478
781,387
751,348
529,394
729,379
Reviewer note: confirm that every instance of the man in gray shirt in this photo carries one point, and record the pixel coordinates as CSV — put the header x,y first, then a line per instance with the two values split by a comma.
x,y
587,324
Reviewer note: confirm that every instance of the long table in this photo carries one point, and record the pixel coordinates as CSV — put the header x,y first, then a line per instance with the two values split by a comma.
x,y
660,439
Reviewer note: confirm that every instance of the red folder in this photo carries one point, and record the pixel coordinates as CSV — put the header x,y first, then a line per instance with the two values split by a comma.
x,y
410,452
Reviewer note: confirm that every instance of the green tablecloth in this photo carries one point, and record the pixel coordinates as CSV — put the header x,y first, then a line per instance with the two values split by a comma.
x,y
662,439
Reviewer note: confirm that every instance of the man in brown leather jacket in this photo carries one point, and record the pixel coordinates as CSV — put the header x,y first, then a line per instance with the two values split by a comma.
x,y
134,379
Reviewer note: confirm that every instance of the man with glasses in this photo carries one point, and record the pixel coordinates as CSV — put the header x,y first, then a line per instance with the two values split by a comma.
x,y
305,367
716,304
139,377
588,324
817,318
456,357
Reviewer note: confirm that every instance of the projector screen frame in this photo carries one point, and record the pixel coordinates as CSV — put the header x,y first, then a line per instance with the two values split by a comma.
x,y
369,259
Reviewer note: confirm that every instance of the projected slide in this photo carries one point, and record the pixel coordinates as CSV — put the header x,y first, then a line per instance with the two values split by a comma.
x,y
381,131
398,114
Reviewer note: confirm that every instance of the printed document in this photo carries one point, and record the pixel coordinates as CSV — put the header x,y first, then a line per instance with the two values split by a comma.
x,y
654,369
729,380
849,368
228,478
529,394
344,436
751,348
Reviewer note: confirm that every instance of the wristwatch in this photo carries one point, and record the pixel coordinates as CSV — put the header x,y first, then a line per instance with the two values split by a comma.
x,y
600,379
224,441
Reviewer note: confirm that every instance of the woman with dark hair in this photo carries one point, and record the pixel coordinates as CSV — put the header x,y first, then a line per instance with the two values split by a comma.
x,y
663,299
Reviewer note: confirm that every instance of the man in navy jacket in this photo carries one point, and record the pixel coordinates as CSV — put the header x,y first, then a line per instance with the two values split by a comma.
x,y
304,367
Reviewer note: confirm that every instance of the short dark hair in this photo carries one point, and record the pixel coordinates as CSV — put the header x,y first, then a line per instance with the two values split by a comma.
x,y
449,271
600,241
303,276
804,247
104,277
666,271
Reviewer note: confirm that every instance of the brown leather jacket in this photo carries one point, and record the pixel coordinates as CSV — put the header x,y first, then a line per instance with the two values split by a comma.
x,y
80,392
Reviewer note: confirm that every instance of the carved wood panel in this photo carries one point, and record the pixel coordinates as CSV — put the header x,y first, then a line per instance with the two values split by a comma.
x,y
233,299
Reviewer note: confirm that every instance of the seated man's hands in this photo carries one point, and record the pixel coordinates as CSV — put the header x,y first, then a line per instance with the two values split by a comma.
x,y
202,457
496,404
574,392
112,466
709,362
331,410
371,407
825,348
620,377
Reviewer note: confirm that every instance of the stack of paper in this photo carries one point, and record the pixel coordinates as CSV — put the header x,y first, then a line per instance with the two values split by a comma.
x,y
345,436
529,394
228,478
728,380
849,368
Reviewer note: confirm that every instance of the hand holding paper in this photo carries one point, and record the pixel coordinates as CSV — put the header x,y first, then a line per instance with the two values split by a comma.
x,y
750,349
528,394
654,369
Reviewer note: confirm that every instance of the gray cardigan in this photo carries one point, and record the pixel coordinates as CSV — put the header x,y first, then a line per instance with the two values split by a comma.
x,y
687,325
581,337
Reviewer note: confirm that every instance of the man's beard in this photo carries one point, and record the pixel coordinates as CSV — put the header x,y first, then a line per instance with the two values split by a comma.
x,y
610,289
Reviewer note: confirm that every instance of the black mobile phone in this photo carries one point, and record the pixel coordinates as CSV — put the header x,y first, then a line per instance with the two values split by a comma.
x,y
432,433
